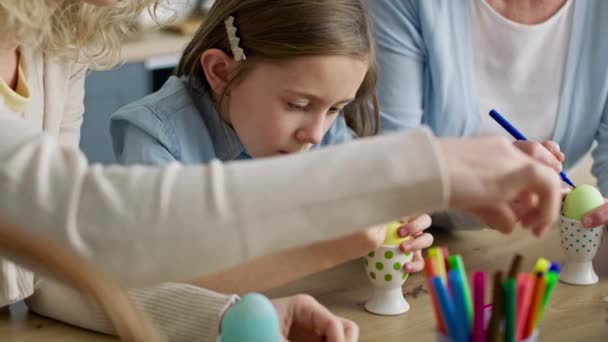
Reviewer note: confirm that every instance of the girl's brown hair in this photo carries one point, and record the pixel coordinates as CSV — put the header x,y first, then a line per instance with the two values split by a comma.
x,y
275,30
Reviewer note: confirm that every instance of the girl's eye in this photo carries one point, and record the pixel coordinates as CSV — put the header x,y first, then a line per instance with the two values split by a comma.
x,y
296,106
334,110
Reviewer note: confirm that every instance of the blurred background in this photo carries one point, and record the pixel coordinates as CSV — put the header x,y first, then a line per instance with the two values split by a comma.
x,y
148,59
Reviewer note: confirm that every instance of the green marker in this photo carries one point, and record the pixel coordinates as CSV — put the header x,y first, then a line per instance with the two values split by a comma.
x,y
510,288
456,263
551,279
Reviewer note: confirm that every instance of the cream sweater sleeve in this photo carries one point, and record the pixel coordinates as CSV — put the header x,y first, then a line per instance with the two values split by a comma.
x,y
183,313
151,225
72,118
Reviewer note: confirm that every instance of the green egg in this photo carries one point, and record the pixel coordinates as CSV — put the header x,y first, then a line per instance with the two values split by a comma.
x,y
581,200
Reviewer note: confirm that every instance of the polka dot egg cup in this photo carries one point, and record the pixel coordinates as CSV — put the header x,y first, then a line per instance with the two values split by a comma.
x,y
384,268
580,245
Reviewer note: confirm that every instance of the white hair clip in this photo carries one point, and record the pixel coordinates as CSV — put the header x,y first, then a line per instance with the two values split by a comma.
x,y
237,52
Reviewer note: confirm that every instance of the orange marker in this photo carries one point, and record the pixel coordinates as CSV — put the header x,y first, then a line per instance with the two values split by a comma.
x,y
535,304
429,271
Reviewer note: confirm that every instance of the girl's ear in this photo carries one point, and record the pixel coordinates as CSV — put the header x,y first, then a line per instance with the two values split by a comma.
x,y
217,66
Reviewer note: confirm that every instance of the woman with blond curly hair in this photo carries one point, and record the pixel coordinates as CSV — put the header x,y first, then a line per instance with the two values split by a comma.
x,y
42,71
148,225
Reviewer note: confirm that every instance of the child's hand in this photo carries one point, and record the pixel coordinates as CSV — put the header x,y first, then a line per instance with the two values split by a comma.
x,y
597,216
304,319
414,227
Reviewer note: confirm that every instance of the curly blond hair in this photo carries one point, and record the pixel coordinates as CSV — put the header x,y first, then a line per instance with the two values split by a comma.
x,y
72,29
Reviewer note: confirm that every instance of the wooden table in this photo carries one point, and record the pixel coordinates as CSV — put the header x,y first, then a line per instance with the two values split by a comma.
x,y
575,313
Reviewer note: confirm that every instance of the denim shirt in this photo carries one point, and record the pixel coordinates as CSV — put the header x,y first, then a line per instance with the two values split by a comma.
x,y
176,124
426,75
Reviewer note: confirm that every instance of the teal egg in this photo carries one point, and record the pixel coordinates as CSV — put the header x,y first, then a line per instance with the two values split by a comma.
x,y
581,200
252,319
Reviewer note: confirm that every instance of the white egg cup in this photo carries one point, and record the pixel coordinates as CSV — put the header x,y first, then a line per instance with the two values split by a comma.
x,y
580,245
384,268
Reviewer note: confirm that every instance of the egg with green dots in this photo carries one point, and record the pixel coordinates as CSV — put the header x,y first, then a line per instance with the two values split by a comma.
x,y
581,200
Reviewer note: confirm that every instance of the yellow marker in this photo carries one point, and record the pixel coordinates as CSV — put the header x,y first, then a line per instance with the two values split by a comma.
x,y
542,265
436,255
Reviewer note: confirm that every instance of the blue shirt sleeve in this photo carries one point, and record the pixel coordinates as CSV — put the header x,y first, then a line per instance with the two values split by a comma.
x,y
600,154
139,137
401,59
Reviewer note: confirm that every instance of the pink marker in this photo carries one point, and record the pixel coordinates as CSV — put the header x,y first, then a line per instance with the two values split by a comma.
x,y
479,293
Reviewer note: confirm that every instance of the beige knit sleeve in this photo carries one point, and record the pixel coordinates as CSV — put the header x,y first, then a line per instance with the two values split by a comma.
x,y
148,224
71,121
184,313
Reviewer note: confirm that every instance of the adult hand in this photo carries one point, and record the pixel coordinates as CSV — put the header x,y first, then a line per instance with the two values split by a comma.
x,y
547,152
488,174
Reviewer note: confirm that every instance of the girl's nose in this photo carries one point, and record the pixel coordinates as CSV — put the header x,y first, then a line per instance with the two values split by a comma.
x,y
313,132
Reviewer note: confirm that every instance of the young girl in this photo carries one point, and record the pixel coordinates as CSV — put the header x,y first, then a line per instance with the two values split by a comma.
x,y
253,83
41,90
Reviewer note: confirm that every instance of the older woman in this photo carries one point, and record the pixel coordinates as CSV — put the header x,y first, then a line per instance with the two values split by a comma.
x,y
541,63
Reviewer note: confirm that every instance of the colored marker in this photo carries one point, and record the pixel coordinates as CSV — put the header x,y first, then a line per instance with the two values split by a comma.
x,y
525,289
497,308
519,136
551,281
447,309
555,267
510,288
436,255
515,266
460,311
446,254
457,264
429,270
542,265
537,300
479,294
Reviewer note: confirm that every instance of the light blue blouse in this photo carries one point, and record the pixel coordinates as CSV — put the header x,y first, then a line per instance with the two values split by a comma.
x,y
426,74
174,124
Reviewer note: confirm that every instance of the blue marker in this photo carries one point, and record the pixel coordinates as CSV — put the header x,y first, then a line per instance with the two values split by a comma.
x,y
519,136
555,267
460,305
455,329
